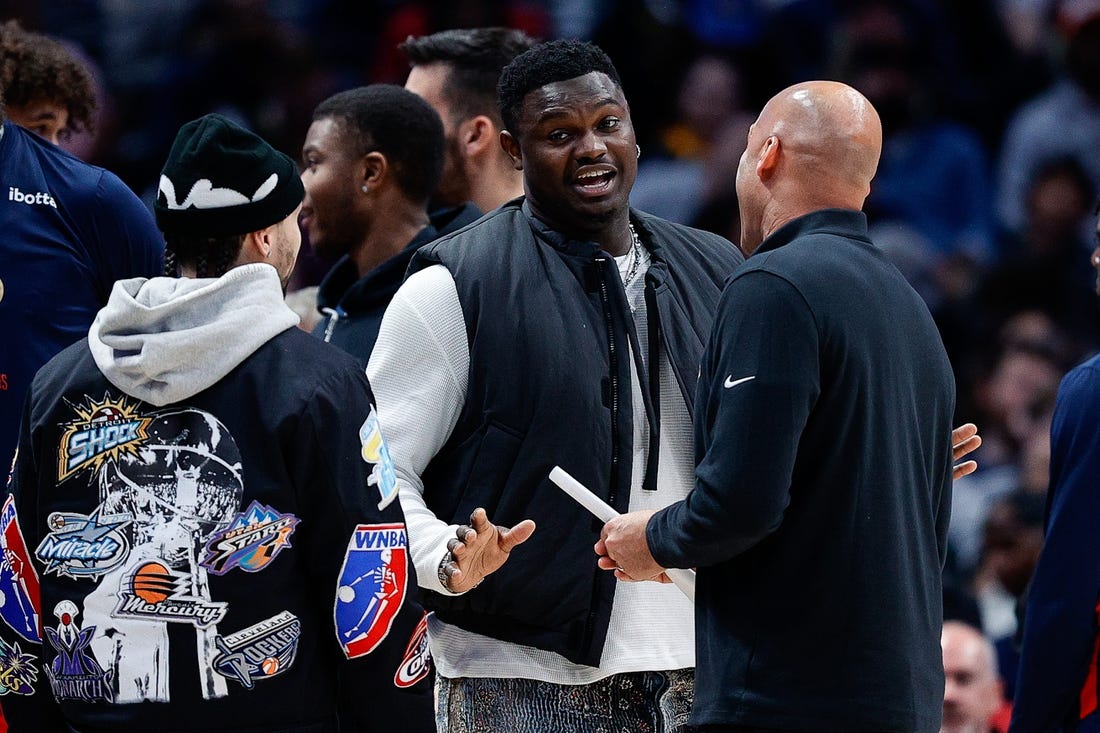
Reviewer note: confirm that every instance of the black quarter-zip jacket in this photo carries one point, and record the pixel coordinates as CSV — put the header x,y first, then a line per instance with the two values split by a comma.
x,y
819,515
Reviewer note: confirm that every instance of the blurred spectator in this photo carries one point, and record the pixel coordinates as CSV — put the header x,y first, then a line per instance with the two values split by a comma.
x,y
1062,122
972,691
1011,403
933,175
1045,265
1013,539
676,178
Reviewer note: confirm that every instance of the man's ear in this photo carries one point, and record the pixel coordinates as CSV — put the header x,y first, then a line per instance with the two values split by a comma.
x,y
767,163
477,136
255,248
511,147
374,170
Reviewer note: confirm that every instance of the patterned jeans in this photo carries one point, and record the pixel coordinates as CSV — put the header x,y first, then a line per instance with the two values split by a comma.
x,y
635,702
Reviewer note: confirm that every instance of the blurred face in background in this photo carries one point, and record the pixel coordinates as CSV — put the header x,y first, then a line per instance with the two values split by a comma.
x,y
972,691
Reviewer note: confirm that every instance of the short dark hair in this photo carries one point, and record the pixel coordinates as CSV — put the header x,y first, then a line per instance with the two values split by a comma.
x,y
396,123
474,58
545,64
210,256
34,67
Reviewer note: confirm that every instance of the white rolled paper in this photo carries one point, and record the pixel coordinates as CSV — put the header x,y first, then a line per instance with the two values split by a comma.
x,y
684,579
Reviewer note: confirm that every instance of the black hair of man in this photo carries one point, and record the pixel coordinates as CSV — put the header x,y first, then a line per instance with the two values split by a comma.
x,y
474,58
396,123
544,64
209,256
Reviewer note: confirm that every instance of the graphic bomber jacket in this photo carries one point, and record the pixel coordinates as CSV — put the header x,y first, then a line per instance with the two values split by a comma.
x,y
210,555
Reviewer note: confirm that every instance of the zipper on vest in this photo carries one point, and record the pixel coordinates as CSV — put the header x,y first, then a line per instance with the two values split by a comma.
x,y
613,359
614,362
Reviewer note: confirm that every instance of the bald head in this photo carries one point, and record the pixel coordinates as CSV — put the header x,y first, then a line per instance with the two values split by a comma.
x,y
815,145
972,690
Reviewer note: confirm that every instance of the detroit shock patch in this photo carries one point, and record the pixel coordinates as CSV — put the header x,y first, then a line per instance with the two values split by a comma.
x,y
251,541
102,430
372,586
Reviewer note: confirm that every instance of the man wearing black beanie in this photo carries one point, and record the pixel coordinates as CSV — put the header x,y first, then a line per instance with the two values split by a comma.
x,y
202,507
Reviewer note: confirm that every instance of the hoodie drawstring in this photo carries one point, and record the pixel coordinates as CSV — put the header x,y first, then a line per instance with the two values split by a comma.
x,y
333,316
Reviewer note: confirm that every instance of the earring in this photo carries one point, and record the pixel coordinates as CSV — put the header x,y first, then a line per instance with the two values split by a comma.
x,y
364,187
639,148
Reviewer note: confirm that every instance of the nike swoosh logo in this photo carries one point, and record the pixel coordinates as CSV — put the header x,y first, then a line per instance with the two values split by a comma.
x,y
731,382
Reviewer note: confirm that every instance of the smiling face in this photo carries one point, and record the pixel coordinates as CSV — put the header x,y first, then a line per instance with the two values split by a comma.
x,y
332,175
576,146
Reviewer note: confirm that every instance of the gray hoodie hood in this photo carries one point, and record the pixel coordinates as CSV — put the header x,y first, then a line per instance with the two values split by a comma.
x,y
165,339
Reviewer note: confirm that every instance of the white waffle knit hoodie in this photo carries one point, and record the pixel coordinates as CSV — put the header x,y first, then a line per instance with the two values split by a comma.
x,y
165,339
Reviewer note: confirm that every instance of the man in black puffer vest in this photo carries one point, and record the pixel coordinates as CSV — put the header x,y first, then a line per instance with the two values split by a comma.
x,y
564,328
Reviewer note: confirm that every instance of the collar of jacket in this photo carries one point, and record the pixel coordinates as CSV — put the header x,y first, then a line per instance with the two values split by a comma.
x,y
590,250
843,222
343,289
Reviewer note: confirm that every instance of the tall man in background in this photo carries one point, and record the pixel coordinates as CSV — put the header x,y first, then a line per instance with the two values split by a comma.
x,y
456,71
818,520
370,161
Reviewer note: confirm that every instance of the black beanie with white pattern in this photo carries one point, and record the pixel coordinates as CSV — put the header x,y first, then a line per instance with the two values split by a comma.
x,y
221,180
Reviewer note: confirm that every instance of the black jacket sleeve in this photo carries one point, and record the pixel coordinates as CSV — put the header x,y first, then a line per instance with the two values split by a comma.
x,y
28,703
350,491
759,381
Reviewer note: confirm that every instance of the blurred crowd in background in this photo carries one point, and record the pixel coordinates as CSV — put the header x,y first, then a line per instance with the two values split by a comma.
x,y
985,197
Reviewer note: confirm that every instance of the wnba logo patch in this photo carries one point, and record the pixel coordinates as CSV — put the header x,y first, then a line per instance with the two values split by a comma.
x,y
371,588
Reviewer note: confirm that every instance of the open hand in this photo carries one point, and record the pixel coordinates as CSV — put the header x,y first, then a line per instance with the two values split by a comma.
x,y
480,548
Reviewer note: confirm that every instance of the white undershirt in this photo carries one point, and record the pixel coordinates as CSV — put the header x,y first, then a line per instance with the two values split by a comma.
x,y
652,626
